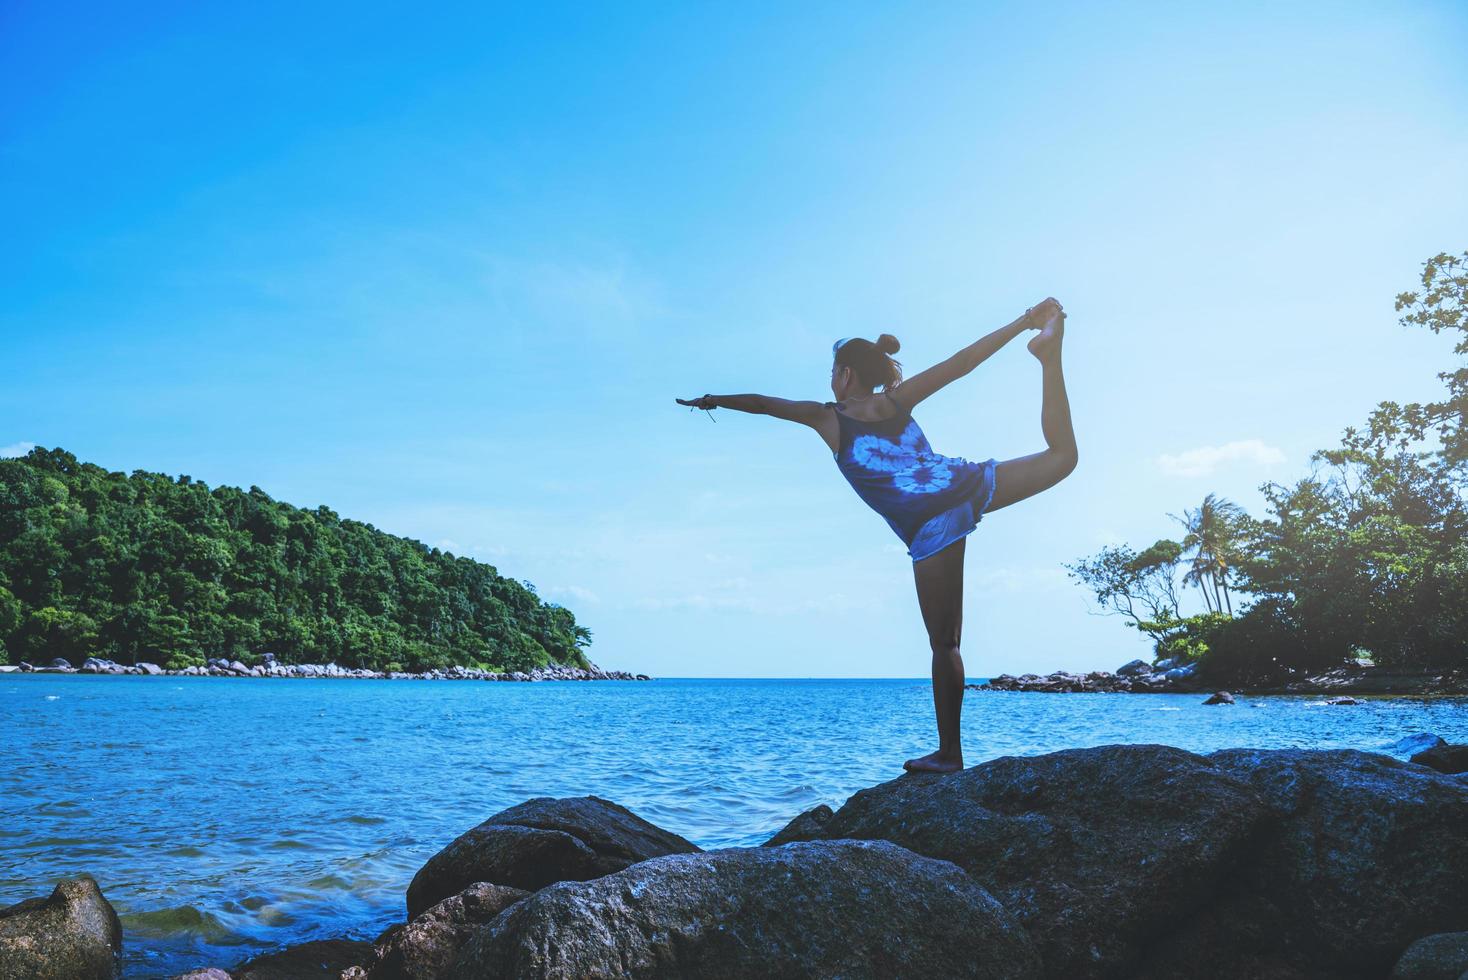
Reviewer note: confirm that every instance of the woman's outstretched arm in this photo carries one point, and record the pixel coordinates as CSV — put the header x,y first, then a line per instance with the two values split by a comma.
x,y
805,412
920,386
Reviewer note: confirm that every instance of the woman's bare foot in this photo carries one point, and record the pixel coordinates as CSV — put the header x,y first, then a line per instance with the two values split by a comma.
x,y
1046,344
934,762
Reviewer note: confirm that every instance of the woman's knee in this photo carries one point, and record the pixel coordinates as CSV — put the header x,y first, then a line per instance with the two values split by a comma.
x,y
943,644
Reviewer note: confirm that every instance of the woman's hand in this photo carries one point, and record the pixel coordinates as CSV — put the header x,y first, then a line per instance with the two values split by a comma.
x,y
1041,313
705,402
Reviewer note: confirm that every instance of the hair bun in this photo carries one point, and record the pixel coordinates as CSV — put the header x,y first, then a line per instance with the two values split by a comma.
x,y
888,344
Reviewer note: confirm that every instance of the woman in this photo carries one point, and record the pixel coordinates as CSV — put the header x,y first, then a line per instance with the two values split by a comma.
x,y
931,501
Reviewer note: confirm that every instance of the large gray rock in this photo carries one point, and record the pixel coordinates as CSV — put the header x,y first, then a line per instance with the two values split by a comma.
x,y
1445,757
1410,745
807,826
1096,851
1440,957
1133,668
827,909
1364,854
72,935
308,961
540,842
425,948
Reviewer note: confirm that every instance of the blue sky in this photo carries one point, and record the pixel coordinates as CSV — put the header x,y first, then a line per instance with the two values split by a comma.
x,y
445,270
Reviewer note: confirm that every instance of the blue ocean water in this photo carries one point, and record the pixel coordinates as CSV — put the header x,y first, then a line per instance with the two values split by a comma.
x,y
228,817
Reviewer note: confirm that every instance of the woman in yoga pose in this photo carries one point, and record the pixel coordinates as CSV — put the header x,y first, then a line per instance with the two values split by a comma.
x,y
931,501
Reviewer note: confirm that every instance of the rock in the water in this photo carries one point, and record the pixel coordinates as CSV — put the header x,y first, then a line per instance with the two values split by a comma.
x,y
154,670
1440,957
1364,855
425,948
1096,851
1444,758
1221,697
61,662
1410,745
540,842
308,961
823,909
208,973
807,826
72,935
1133,668
1343,699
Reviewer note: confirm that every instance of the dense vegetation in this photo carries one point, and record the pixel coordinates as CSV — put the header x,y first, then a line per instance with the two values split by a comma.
x,y
1365,557
148,568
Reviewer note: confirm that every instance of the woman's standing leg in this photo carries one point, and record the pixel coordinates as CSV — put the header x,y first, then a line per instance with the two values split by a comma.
x,y
939,581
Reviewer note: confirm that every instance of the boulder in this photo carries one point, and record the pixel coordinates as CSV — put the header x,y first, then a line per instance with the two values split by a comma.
x,y
72,935
208,973
1440,957
1221,697
1342,699
1364,855
60,662
1134,667
807,826
540,842
425,948
1444,758
822,909
151,669
1410,745
308,961
1096,851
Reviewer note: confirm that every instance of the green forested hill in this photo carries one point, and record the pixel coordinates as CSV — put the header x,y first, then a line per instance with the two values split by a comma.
x,y
144,567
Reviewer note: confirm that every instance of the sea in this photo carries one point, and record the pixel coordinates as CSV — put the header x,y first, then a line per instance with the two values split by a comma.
x,y
229,817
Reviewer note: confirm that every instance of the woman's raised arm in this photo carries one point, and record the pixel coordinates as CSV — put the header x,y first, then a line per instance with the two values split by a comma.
x,y
945,372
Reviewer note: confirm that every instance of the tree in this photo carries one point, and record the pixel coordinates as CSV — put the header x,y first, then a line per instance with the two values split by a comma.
x,y
1212,537
1140,586
1439,306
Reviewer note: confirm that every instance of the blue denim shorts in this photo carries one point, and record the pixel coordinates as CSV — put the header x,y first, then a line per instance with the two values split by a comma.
x,y
941,531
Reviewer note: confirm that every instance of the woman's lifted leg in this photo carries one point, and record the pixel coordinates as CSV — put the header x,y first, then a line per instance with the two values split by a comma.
x,y
1016,479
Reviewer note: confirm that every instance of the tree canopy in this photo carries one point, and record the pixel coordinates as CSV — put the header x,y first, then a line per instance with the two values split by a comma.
x,y
144,567
1367,555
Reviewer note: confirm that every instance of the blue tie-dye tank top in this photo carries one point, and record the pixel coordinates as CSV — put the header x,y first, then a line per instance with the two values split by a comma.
x,y
891,466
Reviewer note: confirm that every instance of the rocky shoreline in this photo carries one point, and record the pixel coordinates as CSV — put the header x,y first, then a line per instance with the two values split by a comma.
x,y
272,668
1144,862
1170,677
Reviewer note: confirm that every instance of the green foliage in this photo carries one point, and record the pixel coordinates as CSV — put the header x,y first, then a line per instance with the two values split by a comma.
x,y
147,568
1368,554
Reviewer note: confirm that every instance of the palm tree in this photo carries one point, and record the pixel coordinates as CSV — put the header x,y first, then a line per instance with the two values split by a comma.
x,y
1212,535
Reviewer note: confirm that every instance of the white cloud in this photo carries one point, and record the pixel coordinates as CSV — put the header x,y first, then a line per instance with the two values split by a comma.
x,y
1204,460
574,592
16,449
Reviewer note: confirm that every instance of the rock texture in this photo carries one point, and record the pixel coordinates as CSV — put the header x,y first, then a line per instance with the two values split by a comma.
x,y
425,948
1440,957
807,826
1444,758
1170,676
1098,852
829,909
540,842
1364,855
308,961
72,935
